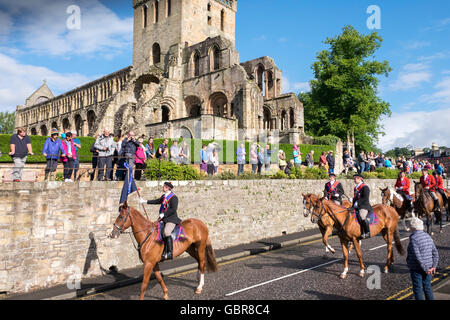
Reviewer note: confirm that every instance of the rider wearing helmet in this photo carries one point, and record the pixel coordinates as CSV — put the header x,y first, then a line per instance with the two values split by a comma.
x,y
361,204
333,190
168,214
440,186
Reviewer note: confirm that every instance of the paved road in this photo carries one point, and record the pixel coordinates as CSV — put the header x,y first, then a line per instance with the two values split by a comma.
x,y
295,273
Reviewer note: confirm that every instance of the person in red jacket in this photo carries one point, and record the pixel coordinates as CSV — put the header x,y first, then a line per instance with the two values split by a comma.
x,y
440,186
402,187
429,184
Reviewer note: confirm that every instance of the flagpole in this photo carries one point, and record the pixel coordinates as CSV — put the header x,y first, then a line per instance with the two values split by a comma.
x,y
142,205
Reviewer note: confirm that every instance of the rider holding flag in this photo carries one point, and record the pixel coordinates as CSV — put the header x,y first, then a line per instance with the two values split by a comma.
x,y
168,214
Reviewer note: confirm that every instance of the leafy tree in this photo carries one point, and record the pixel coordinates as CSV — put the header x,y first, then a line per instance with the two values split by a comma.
x,y
343,95
7,122
398,152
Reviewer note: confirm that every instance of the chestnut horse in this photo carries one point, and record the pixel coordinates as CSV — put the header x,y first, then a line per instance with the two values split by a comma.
x,y
325,223
395,200
197,243
349,230
424,205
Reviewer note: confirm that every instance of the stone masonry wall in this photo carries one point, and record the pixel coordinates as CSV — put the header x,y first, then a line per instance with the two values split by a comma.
x,y
53,232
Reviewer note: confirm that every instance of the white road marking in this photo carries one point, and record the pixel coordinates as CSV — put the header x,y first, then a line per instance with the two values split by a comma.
x,y
283,277
302,271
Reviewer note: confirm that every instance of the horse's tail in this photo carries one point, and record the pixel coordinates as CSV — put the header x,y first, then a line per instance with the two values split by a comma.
x,y
210,257
398,243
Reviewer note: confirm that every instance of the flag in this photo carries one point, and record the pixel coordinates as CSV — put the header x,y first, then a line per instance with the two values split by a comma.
x,y
129,185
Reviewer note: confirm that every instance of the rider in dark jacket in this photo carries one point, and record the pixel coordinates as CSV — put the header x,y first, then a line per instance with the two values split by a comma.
x,y
361,203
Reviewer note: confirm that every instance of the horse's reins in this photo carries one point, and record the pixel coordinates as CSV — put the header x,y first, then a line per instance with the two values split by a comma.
x,y
139,247
333,215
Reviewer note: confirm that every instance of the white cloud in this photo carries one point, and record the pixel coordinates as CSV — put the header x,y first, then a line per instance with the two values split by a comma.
x,y
411,76
412,45
19,81
419,129
441,96
41,27
297,87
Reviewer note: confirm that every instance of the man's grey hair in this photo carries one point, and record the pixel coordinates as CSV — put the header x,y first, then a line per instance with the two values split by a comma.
x,y
416,223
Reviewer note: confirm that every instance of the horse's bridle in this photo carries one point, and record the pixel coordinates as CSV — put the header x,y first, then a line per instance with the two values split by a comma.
x,y
123,224
331,214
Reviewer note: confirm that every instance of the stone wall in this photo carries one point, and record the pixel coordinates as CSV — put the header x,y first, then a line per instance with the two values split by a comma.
x,y
50,232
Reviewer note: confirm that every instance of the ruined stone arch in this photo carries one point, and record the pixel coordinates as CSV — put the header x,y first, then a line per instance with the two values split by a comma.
x,y
33,131
218,104
260,76
195,64
267,118
91,119
44,130
186,133
284,120
144,82
291,118
156,53
55,125
66,124
193,105
214,54
78,120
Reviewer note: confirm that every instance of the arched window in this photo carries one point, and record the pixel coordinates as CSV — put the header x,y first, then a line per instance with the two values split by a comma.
x,y
218,104
165,114
169,7
155,11
196,64
283,120
156,53
66,124
267,122
260,77
144,16
79,125
33,132
214,58
44,131
222,20
291,118
91,118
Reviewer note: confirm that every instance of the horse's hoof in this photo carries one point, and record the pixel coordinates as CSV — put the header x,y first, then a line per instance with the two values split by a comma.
x,y
198,291
166,297
343,276
407,229
386,270
362,274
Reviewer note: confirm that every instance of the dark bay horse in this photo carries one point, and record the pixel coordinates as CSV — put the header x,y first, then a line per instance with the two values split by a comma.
x,y
424,205
197,243
394,199
325,223
350,231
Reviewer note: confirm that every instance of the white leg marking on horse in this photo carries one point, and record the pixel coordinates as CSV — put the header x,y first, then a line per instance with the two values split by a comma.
x,y
202,282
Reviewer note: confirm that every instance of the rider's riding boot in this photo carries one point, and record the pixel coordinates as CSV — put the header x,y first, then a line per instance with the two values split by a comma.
x,y
169,245
366,229
437,207
164,254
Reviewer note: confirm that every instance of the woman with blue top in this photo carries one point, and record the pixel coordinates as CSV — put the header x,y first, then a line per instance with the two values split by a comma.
x,y
297,156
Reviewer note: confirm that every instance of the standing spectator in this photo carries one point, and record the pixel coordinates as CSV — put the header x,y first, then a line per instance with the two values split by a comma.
x,y
210,156
94,158
128,149
185,153
20,145
120,171
422,260
330,160
150,149
51,152
380,161
216,161
68,156
254,157
240,153
323,163
387,163
175,152
267,157
372,164
76,161
297,156
438,168
260,159
105,145
310,159
204,160
361,162
282,160
347,160
163,150
140,159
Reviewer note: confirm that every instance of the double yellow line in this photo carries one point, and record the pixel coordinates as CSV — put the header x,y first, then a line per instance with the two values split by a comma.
x,y
405,293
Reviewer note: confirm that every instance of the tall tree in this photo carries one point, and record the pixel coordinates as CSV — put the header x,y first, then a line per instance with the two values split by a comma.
x,y
343,95
7,122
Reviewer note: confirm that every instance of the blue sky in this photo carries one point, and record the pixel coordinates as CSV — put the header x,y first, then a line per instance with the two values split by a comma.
x,y
35,44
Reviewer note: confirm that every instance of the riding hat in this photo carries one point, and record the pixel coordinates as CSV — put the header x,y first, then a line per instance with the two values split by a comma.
x,y
169,185
332,174
358,175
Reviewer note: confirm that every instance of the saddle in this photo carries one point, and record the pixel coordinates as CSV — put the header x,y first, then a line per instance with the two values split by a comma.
x,y
372,216
178,234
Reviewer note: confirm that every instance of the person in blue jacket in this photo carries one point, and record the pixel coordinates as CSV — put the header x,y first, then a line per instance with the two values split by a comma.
x,y
51,150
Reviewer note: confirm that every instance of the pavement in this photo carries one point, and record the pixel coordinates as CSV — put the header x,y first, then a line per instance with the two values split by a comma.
x,y
126,277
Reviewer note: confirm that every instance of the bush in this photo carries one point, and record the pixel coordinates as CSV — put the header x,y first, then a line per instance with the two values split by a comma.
x,y
248,175
169,171
279,175
386,173
326,140
370,175
315,174
226,175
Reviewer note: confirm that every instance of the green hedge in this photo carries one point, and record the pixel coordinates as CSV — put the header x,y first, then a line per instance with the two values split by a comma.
x,y
37,142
